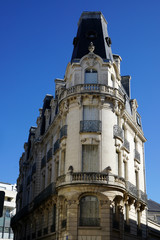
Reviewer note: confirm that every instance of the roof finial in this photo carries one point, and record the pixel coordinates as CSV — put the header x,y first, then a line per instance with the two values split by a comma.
x,y
91,47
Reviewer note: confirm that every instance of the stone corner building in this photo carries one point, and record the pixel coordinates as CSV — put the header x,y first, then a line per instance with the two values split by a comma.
x,y
82,174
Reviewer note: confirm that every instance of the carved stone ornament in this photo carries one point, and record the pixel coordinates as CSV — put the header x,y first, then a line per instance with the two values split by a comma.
x,y
70,202
79,101
103,202
91,47
65,108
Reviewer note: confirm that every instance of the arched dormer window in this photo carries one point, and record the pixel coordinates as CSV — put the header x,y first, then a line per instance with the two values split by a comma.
x,y
89,211
91,76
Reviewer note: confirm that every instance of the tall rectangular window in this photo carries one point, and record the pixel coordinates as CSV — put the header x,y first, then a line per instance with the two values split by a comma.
x,y
91,76
90,158
63,156
90,113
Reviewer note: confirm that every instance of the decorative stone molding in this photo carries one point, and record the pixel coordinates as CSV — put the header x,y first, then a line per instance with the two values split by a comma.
x,y
79,101
103,202
90,140
71,202
65,107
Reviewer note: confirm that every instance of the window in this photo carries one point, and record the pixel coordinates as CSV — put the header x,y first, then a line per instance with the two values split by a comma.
x,y
89,211
63,156
90,113
158,219
43,181
53,226
91,76
90,121
90,159
136,179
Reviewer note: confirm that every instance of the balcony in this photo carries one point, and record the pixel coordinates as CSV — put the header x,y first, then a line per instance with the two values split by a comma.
x,y
49,155
90,126
91,177
126,145
91,88
118,132
43,162
56,146
92,222
132,189
137,155
23,212
142,196
63,131
46,193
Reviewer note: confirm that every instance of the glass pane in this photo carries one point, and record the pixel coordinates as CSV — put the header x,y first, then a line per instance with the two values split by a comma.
x,y
91,76
90,161
90,113
89,211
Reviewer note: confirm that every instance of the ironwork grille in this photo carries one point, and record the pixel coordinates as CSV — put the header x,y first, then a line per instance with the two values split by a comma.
x,y
90,126
63,131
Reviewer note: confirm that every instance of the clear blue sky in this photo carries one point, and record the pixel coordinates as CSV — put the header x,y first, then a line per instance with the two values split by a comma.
x,y
35,47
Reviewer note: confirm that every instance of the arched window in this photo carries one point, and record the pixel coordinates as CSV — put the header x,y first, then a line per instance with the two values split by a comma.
x,y
89,211
91,76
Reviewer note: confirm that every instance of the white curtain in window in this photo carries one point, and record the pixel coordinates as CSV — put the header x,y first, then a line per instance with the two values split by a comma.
x,y
91,76
90,113
90,160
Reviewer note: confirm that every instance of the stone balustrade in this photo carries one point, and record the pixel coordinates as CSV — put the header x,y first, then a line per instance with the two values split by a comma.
x,y
84,88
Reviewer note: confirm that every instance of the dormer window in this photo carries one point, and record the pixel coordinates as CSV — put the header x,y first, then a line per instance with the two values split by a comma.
x,y
91,76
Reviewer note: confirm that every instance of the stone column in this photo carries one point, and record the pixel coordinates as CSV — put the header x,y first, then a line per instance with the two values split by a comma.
x,y
72,219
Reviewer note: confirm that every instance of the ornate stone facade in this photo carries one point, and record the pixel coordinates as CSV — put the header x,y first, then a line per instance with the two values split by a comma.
x,y
82,175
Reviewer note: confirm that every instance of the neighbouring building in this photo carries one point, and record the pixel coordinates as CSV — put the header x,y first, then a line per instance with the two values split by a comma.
x,y
9,210
82,174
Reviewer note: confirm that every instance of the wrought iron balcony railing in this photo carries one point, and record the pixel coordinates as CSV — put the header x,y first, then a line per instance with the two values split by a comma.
x,y
43,162
92,222
47,192
56,146
137,155
132,189
23,212
142,196
49,155
117,132
90,126
63,131
126,145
